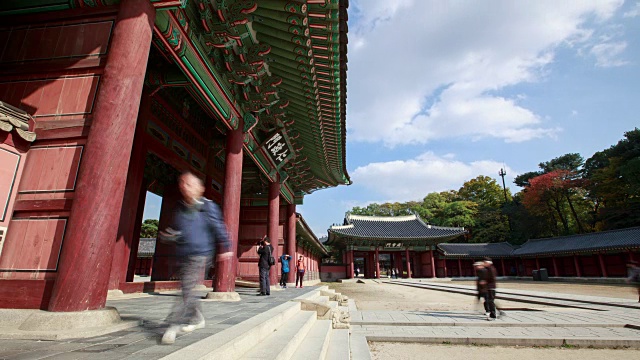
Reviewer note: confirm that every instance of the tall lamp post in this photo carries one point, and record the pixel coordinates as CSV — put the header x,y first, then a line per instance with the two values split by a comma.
x,y
502,174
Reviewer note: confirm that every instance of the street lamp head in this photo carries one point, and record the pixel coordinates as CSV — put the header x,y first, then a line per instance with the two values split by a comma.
x,y
502,172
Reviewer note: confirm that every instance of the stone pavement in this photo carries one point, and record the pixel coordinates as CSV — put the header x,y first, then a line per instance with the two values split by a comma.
x,y
143,342
609,325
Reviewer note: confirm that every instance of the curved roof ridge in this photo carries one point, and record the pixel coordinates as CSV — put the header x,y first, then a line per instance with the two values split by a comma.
x,y
339,227
381,218
478,244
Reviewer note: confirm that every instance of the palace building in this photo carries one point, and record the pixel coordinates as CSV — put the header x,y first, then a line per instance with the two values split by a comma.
x,y
375,243
104,100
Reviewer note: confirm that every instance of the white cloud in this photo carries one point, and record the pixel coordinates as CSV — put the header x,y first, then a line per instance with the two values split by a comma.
x,y
404,180
431,70
607,54
634,12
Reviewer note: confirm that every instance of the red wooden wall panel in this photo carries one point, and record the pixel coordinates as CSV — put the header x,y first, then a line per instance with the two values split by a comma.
x,y
33,244
52,96
51,42
50,169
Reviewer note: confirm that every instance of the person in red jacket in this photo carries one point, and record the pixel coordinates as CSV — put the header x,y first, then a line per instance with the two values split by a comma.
x,y
300,268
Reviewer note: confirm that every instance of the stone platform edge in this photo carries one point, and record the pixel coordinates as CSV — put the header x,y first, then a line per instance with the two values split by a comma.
x,y
238,339
589,342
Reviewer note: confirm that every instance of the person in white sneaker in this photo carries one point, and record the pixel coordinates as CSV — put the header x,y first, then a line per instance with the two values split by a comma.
x,y
197,231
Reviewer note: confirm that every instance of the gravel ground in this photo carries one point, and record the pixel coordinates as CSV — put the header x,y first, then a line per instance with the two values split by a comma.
x,y
409,351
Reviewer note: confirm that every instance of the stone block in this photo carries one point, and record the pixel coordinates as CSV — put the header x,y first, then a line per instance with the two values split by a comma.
x,y
223,296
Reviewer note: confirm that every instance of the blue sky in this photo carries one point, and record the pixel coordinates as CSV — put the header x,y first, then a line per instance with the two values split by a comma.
x,y
440,92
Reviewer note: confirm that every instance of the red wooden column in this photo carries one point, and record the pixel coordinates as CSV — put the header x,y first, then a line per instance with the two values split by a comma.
x,y
408,263
350,263
459,267
576,263
272,226
537,263
291,241
603,268
85,260
433,263
130,207
631,256
377,263
504,273
555,266
226,270
444,262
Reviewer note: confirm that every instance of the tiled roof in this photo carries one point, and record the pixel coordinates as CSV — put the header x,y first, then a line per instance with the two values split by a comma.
x,y
306,236
502,249
146,247
605,240
393,227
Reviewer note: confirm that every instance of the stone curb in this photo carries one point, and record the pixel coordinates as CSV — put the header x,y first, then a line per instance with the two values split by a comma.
x,y
483,324
512,341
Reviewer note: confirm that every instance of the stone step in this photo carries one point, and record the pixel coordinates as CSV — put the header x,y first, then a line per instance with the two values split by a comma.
x,y
352,305
338,345
359,348
315,344
283,342
333,304
234,342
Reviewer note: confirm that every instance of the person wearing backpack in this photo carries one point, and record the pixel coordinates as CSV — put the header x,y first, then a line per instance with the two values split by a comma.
x,y
265,250
198,232
284,259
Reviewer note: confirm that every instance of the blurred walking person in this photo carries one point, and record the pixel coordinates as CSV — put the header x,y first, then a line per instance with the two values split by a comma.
x,y
634,276
198,232
486,285
300,268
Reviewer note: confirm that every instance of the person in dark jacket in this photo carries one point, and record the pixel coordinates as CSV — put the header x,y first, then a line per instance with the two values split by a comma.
x,y
490,299
265,250
198,231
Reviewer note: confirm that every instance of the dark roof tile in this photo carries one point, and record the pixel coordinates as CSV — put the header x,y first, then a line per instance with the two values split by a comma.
x,y
393,227
146,247
598,241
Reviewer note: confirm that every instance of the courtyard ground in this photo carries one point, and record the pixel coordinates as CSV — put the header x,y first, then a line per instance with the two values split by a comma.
x,y
387,297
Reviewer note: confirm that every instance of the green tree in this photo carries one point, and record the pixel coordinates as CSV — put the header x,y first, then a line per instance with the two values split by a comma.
x,y
460,214
490,224
613,183
149,229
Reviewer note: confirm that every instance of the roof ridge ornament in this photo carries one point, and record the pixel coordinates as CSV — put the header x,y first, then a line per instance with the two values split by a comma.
x,y
13,118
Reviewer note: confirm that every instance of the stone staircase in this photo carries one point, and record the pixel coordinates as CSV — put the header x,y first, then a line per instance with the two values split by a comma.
x,y
312,326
